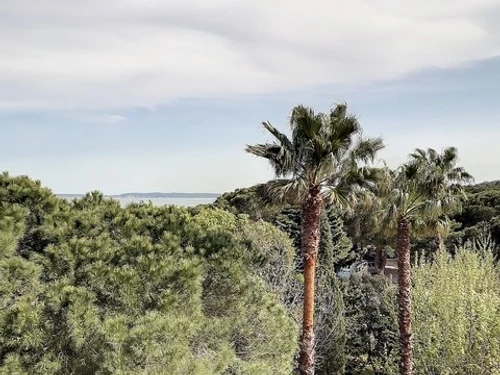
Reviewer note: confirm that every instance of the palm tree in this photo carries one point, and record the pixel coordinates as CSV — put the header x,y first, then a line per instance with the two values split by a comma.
x,y
418,196
325,160
405,204
445,181
361,221
366,219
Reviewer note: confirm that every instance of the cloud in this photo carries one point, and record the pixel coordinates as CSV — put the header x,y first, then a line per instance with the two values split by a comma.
x,y
104,119
91,54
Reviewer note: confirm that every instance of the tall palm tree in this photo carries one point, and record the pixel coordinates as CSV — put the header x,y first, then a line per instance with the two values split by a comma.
x,y
445,181
325,160
418,196
405,204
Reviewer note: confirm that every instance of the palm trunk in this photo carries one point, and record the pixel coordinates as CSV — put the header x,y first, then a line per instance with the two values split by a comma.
x,y
378,258
404,298
439,242
311,215
383,261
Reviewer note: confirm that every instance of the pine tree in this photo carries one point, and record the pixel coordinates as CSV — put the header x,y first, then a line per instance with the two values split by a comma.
x,y
143,290
330,325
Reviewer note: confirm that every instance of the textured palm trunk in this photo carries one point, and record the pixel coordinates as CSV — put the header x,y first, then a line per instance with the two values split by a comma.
x,y
383,261
439,242
311,215
404,298
378,258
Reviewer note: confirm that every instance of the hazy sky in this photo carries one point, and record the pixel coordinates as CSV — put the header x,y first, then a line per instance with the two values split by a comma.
x,y
163,95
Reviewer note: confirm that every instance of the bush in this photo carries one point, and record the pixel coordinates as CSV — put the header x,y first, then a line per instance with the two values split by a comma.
x,y
457,314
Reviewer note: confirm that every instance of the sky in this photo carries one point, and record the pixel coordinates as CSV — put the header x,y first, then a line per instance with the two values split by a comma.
x,y
163,95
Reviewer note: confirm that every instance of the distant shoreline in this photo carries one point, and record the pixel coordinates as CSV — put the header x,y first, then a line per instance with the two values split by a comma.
x,y
152,195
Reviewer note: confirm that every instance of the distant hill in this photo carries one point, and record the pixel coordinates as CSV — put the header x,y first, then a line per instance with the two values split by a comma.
x,y
484,186
488,183
153,195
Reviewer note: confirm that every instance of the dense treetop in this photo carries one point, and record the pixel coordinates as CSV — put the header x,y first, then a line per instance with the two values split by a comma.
x,y
88,287
91,288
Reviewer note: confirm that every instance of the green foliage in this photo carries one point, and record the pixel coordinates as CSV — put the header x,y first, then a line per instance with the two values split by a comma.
x,y
289,220
334,252
481,214
457,315
249,201
456,324
38,202
334,240
330,326
141,290
87,287
371,325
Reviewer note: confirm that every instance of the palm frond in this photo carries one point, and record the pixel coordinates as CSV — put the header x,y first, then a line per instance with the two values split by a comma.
x,y
340,198
290,191
430,226
366,149
418,154
305,124
342,129
280,137
450,156
278,156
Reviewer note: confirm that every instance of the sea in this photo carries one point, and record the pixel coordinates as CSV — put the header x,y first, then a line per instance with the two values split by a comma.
x,y
181,201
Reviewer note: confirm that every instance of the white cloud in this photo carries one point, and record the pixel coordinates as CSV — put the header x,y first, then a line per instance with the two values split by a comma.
x,y
104,119
95,54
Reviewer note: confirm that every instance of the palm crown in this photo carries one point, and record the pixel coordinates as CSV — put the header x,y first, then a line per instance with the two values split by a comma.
x,y
326,151
443,179
425,190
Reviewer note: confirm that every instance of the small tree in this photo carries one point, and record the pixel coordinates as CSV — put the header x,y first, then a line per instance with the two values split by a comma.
x,y
329,327
371,325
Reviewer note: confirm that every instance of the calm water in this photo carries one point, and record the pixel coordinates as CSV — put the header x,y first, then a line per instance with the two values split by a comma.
x,y
186,202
